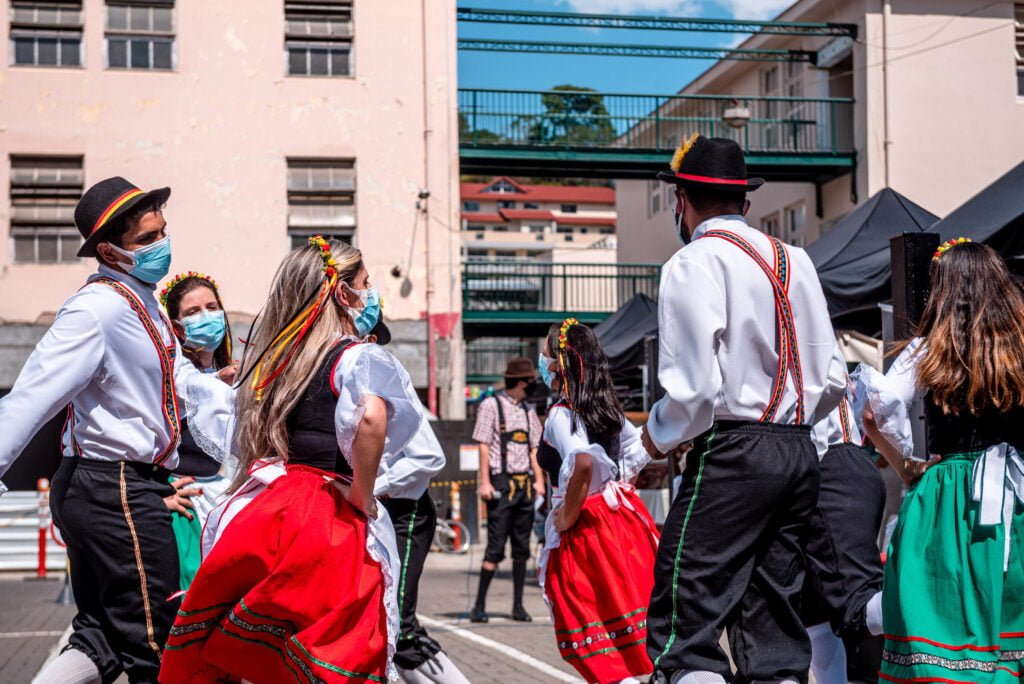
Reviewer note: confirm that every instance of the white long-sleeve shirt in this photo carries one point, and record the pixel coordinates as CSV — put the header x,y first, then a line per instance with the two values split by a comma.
x,y
718,355
407,474
98,356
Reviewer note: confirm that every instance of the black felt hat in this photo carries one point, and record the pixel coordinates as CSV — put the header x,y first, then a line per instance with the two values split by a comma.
x,y
711,163
102,204
381,332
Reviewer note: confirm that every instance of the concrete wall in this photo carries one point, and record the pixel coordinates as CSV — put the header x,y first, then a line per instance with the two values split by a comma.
x,y
219,130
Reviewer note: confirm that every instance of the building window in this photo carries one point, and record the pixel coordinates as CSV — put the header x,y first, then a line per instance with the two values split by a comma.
x,y
1018,33
506,204
321,199
770,225
501,186
318,37
796,216
654,193
537,229
531,205
140,34
477,254
470,206
606,230
46,33
568,208
44,192
475,227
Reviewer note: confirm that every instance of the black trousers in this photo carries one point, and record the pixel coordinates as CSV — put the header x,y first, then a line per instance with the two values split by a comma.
x,y
844,569
731,556
510,517
414,522
124,562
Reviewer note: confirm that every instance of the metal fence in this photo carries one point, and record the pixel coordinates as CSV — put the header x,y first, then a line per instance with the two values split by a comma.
x,y
571,119
554,287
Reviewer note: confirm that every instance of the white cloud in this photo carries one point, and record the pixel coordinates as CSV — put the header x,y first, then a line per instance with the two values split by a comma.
x,y
655,7
754,9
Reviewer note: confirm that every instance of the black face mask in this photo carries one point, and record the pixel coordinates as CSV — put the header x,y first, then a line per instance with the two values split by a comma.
x,y
531,387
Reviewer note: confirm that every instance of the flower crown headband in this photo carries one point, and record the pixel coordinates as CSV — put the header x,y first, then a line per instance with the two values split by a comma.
x,y
179,279
948,245
563,346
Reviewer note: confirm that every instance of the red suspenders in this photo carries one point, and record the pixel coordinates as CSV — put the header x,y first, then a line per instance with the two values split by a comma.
x,y
789,356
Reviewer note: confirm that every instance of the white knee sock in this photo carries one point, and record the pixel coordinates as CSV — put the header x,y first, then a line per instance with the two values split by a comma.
x,y
70,667
439,669
697,677
828,655
873,614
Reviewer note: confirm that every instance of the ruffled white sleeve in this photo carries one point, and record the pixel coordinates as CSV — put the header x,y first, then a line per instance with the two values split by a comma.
x,y
891,397
210,407
367,370
633,457
569,443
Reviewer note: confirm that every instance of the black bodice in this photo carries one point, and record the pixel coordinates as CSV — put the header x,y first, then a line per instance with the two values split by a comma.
x,y
949,434
550,460
312,440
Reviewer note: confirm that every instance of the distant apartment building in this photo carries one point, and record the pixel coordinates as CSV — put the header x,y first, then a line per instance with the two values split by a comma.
x,y
271,121
937,92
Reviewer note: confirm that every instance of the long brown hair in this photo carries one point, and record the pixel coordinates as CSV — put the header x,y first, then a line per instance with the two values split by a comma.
x,y
973,329
261,430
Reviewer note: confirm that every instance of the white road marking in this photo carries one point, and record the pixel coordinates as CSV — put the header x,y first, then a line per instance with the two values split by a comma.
x,y
504,649
23,635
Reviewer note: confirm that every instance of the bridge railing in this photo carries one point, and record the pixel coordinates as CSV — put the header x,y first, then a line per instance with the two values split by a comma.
x,y
569,119
533,286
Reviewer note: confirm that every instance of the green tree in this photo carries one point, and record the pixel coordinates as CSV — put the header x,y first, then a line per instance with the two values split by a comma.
x,y
572,115
482,135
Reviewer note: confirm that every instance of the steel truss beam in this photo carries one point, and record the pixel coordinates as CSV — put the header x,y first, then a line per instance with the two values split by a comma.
x,y
616,21
753,55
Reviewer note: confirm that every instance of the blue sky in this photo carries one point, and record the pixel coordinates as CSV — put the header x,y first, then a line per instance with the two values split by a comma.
x,y
515,71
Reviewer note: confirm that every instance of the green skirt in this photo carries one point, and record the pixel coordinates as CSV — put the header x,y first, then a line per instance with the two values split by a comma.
x,y
950,612
187,534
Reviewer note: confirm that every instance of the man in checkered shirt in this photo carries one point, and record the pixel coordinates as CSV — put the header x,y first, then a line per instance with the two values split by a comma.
x,y
509,432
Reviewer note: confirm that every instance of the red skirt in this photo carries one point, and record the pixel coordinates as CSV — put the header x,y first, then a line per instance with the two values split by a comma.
x,y
598,583
289,593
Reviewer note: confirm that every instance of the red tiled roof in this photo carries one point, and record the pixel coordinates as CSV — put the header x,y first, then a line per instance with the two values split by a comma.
x,y
481,217
527,214
540,193
586,220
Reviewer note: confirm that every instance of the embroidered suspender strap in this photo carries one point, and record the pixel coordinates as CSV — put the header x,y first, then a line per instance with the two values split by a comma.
x,y
789,358
166,356
505,435
69,427
844,420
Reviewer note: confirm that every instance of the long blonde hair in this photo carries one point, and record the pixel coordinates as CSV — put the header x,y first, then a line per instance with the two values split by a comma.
x,y
261,430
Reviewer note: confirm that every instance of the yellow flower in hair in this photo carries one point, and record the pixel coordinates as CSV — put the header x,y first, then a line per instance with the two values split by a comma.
x,y
566,324
684,147
948,245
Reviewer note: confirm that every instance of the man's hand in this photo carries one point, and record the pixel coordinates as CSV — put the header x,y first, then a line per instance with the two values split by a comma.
x,y
538,486
486,491
562,521
229,373
179,501
645,439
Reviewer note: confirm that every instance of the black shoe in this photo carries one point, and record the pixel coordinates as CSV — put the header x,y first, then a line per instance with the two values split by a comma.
x,y
478,614
519,614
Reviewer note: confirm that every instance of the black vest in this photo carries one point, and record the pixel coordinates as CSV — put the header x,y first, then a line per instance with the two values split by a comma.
x,y
312,439
949,434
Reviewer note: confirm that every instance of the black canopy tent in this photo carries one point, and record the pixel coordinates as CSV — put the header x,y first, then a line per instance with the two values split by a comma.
x,y
622,336
994,216
853,258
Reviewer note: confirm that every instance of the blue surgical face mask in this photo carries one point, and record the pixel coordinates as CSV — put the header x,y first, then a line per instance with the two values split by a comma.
x,y
365,317
151,263
204,331
543,361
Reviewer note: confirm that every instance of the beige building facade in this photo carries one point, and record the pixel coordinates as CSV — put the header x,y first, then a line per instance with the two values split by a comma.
x,y
270,121
938,114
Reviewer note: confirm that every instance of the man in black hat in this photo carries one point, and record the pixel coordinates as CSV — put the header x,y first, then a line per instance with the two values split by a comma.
x,y
748,363
508,432
113,362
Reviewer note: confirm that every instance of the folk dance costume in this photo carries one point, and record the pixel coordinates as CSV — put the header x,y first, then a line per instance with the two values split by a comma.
x,y
844,569
295,583
597,576
748,363
402,485
112,361
953,599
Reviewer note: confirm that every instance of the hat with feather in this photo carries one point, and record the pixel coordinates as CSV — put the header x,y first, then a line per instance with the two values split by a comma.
x,y
710,163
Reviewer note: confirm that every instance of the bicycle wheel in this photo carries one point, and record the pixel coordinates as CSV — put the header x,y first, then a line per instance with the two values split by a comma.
x,y
451,536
